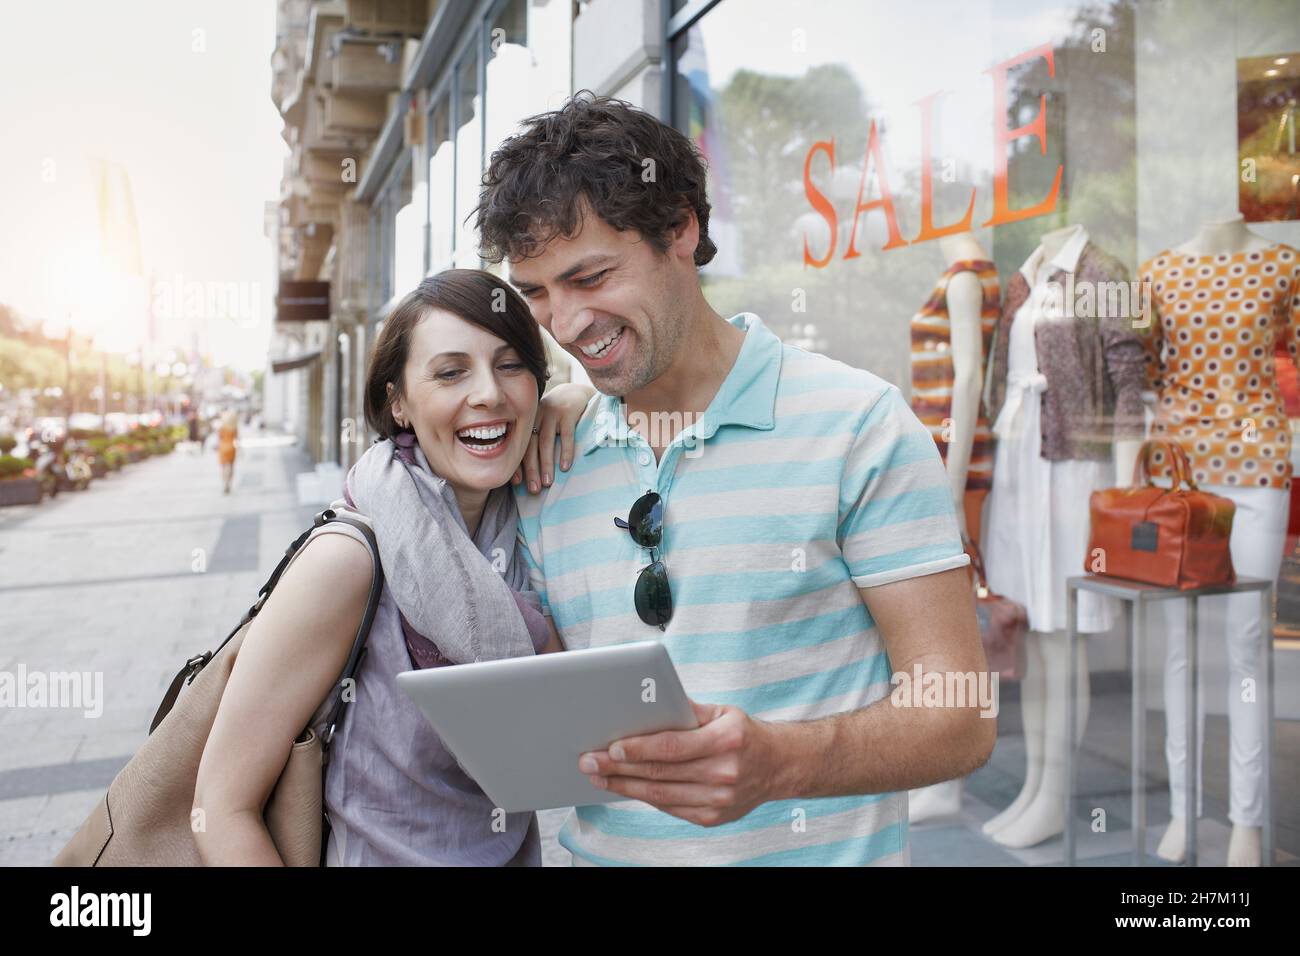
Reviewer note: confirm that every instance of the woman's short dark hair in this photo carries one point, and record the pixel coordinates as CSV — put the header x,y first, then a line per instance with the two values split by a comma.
x,y
634,171
474,295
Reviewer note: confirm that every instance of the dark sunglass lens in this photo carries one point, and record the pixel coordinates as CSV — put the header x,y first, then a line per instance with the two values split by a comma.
x,y
647,520
654,601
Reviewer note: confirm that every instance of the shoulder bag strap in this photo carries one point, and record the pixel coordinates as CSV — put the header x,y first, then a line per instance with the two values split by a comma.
x,y
191,667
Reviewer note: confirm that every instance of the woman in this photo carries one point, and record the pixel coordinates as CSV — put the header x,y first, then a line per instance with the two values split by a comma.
x,y
454,389
226,448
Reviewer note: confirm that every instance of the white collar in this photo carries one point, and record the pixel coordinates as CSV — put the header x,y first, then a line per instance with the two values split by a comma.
x,y
1066,258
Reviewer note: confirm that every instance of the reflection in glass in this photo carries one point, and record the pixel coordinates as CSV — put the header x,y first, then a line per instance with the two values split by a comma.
x,y
511,95
441,182
469,153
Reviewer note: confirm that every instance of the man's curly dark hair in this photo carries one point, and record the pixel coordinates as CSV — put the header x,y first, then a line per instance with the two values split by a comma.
x,y
595,149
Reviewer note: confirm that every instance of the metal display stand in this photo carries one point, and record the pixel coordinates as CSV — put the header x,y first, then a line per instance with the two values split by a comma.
x,y
1138,596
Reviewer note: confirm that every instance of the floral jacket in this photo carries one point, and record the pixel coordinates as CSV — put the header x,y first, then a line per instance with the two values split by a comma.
x,y
1094,363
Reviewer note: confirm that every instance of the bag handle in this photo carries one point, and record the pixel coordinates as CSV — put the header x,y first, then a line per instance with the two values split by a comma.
x,y
1178,464
194,665
977,563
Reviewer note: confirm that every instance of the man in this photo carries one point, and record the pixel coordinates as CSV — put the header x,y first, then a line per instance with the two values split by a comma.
x,y
806,551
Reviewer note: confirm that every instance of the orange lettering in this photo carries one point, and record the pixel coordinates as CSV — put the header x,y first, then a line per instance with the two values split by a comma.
x,y
820,203
885,202
928,230
1002,138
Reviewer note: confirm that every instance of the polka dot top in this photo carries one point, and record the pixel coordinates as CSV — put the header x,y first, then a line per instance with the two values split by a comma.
x,y
1216,323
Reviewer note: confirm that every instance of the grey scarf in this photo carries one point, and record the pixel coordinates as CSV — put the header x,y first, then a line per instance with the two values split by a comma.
x,y
453,590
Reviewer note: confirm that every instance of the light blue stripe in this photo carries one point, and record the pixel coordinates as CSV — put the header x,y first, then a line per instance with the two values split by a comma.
x,y
753,645
856,851
618,499
570,844
806,689
698,590
651,824
850,380
776,530
908,506
904,449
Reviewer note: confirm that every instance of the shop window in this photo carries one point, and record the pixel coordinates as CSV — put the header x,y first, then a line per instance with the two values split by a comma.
x,y
442,178
408,233
511,95
469,157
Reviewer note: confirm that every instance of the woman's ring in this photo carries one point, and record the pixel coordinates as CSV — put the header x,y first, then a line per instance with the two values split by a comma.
x,y
535,429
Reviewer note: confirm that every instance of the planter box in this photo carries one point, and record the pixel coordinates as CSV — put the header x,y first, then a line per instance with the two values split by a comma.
x,y
20,491
99,469
133,456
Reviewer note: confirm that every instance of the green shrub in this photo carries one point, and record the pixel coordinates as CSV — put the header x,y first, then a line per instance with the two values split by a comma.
x,y
7,443
11,467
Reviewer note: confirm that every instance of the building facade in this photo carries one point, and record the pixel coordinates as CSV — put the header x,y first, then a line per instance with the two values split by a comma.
x,y
390,112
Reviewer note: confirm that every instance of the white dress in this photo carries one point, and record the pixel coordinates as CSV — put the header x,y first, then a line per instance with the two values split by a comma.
x,y
1037,530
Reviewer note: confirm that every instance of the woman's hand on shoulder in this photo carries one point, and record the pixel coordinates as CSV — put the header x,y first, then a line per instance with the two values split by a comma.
x,y
557,415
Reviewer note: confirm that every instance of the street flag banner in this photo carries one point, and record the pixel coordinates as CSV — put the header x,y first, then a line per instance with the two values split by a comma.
x,y
119,236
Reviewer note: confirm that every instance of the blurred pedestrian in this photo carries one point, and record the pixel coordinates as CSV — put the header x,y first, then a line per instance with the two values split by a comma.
x,y
196,437
227,435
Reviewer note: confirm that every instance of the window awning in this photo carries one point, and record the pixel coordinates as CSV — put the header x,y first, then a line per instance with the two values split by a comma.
x,y
296,361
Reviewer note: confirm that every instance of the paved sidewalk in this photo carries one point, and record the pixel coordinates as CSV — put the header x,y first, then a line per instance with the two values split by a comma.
x,y
126,579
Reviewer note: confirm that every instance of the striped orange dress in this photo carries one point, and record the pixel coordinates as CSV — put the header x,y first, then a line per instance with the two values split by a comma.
x,y
932,375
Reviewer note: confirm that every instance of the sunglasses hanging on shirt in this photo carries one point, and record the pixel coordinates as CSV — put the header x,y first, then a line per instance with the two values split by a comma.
x,y
653,597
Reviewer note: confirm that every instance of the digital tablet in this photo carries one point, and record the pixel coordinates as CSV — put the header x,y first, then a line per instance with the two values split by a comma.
x,y
518,725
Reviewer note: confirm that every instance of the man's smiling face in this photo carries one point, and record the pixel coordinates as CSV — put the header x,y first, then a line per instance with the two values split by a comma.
x,y
607,298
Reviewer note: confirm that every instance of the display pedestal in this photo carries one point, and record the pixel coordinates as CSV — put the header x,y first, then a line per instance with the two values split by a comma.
x,y
1138,596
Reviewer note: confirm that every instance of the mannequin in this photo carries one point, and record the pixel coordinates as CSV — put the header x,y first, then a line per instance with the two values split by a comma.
x,y
970,302
1206,407
1061,486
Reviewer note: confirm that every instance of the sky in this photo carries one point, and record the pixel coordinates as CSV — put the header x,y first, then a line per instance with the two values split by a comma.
x,y
176,93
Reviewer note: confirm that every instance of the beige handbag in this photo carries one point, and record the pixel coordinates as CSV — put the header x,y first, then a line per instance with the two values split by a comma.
x,y
146,818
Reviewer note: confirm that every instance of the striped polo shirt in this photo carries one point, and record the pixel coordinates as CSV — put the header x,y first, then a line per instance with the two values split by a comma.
x,y
804,480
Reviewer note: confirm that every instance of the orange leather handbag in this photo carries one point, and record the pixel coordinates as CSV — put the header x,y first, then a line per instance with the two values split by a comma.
x,y
1174,537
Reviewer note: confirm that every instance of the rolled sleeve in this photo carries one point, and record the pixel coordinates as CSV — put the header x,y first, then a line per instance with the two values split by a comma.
x,y
896,517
